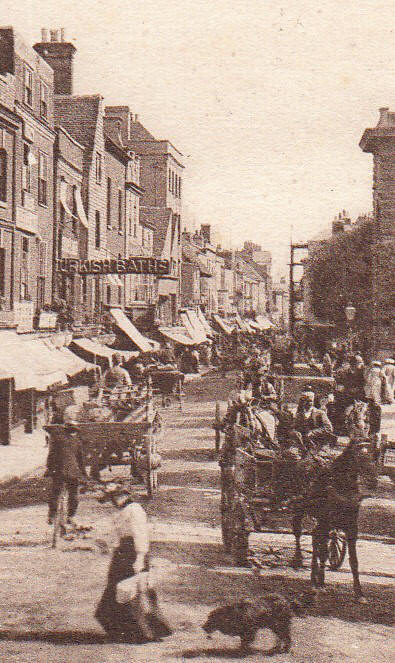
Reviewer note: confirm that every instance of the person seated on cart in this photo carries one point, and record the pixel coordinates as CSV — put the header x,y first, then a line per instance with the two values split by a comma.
x,y
116,377
312,423
263,390
65,467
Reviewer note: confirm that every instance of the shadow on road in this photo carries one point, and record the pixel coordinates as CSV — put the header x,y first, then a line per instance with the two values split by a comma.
x,y
56,637
195,455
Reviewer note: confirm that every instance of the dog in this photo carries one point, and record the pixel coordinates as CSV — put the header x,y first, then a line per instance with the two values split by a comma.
x,y
245,618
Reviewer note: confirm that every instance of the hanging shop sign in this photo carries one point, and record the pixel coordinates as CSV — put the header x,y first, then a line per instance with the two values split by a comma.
x,y
132,265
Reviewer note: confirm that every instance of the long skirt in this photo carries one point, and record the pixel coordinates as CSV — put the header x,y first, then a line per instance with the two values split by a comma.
x,y
129,622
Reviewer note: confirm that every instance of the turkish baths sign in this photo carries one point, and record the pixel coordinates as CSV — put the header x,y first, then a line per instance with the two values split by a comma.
x,y
130,265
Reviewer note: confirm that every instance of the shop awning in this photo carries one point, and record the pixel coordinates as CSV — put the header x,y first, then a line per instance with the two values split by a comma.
x,y
195,332
63,197
94,350
254,325
80,207
32,364
264,322
227,329
195,321
209,331
177,334
130,330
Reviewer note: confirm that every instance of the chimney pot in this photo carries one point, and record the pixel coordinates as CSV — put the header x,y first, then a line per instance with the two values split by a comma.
x,y
383,120
136,118
54,35
62,34
44,34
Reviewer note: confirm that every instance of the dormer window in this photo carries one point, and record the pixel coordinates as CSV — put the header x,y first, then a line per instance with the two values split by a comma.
x,y
28,86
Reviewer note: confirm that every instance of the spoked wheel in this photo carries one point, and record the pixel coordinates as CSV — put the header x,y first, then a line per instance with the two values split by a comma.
x,y
227,494
239,546
337,548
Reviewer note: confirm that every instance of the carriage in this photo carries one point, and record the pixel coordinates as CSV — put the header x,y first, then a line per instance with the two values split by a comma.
x,y
168,384
247,460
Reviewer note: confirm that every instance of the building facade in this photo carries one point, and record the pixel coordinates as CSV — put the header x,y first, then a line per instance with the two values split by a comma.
x,y
27,139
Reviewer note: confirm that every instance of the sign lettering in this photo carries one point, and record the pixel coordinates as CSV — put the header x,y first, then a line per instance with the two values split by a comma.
x,y
131,265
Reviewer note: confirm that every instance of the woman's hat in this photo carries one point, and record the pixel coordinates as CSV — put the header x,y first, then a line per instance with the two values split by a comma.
x,y
376,363
389,361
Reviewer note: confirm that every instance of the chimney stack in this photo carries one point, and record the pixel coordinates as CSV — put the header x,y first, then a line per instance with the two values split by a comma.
x,y
383,120
59,55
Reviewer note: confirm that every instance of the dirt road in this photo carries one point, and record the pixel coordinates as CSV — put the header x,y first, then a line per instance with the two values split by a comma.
x,y
48,597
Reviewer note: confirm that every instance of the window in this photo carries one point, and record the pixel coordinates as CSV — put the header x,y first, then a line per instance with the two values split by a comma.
x,y
2,271
84,290
176,191
170,174
3,175
28,86
109,202
74,209
27,169
119,294
179,187
25,269
120,213
108,294
99,168
43,259
97,230
42,178
44,93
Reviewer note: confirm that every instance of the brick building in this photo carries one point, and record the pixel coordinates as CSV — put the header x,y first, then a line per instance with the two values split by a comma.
x,y
161,170
380,141
27,139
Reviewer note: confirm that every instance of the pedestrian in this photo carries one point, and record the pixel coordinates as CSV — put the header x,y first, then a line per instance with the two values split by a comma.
x,y
389,380
373,385
66,468
135,616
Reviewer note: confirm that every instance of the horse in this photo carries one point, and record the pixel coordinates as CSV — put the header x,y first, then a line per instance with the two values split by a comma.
x,y
332,497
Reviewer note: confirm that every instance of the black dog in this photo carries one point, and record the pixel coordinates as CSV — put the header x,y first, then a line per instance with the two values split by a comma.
x,y
245,618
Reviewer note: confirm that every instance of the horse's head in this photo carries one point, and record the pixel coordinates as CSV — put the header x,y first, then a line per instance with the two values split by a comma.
x,y
357,421
365,465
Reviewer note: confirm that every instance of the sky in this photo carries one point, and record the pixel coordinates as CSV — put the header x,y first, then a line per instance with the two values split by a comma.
x,y
267,101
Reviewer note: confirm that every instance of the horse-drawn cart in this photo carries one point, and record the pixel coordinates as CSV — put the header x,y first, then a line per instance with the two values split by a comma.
x,y
168,384
247,499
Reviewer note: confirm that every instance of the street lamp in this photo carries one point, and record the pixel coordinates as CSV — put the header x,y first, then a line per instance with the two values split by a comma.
x,y
350,311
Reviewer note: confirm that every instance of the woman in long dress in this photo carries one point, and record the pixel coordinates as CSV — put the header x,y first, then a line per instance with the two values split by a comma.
x,y
135,620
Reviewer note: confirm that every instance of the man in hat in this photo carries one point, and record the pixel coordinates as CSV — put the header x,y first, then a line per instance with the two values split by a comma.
x,y
66,468
116,377
312,423
374,380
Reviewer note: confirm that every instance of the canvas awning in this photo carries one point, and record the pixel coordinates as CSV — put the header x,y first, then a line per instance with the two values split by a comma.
x,y
80,207
195,321
195,333
227,329
264,322
31,363
97,353
209,331
63,197
177,334
130,330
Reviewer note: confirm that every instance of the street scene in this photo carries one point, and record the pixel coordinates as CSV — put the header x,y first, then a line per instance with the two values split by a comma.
x,y
197,395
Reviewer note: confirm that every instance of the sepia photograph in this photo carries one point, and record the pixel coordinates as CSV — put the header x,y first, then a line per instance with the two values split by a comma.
x,y
197,331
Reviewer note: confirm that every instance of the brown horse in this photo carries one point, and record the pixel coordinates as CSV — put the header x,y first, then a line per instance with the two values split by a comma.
x,y
332,497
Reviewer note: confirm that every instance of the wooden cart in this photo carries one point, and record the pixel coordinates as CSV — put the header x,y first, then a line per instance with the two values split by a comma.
x,y
247,499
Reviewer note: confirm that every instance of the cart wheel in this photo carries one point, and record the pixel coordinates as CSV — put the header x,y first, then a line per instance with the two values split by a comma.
x,y
227,495
239,546
337,549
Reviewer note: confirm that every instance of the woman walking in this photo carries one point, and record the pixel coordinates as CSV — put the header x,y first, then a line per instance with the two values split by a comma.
x,y
138,619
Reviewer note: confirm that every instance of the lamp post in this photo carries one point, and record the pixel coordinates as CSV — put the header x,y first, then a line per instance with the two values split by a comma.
x,y
350,311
